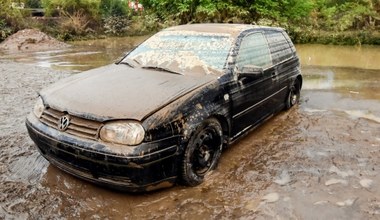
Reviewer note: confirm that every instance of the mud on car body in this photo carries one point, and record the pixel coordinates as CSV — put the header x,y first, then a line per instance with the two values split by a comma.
x,y
163,114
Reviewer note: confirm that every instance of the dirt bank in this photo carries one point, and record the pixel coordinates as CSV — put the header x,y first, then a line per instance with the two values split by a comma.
x,y
311,162
31,40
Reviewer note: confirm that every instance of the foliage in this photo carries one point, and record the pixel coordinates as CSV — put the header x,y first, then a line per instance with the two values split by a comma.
x,y
76,23
89,8
114,8
11,19
304,19
33,4
5,31
116,25
347,15
147,24
116,17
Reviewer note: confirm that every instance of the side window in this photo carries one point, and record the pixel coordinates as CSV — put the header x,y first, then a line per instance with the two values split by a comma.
x,y
254,51
279,46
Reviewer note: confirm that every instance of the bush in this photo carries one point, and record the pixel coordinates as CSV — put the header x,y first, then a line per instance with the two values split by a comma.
x,y
148,23
88,8
5,31
11,19
75,24
116,25
114,8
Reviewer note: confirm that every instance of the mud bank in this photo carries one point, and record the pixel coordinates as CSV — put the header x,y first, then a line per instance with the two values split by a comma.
x,y
30,40
312,162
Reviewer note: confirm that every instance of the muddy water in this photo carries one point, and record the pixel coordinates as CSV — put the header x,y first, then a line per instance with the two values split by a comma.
x,y
320,160
83,55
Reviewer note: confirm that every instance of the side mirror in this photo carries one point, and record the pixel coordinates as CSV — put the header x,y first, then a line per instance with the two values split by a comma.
x,y
250,71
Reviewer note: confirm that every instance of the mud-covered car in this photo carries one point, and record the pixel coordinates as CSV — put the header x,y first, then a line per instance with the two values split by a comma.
x,y
163,114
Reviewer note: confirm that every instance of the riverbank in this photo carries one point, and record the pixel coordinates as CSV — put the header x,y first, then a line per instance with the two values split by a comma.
x,y
336,38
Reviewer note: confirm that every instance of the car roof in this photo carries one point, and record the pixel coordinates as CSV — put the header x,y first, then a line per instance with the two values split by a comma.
x,y
219,28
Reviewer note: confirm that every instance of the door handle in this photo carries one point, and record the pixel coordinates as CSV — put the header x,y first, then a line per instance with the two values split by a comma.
x,y
273,74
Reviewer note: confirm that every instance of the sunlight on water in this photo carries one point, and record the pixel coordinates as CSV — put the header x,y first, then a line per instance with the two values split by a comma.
x,y
363,114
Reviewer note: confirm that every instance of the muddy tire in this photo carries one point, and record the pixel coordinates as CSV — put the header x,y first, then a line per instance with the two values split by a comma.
x,y
202,153
293,95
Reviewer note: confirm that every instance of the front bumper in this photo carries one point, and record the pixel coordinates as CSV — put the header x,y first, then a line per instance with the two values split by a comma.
x,y
147,167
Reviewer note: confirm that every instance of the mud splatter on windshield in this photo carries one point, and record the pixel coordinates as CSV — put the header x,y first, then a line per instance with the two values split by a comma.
x,y
185,52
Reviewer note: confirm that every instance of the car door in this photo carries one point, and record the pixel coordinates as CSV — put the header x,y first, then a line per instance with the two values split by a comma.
x,y
285,63
250,94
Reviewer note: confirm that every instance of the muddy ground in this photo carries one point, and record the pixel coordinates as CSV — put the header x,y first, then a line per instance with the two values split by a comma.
x,y
315,161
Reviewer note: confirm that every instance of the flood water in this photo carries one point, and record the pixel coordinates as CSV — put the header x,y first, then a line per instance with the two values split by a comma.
x,y
320,160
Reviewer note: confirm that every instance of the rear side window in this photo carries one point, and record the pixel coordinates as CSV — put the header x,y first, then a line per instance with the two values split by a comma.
x,y
254,51
280,48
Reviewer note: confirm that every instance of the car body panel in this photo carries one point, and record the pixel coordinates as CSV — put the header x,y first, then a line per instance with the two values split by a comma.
x,y
140,92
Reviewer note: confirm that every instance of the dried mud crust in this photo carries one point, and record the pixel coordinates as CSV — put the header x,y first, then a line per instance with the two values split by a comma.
x,y
298,165
31,40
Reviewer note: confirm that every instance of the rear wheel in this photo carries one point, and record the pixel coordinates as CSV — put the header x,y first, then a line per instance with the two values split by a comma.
x,y
293,95
203,152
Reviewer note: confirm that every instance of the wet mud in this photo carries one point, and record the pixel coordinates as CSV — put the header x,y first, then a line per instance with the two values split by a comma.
x,y
30,40
319,160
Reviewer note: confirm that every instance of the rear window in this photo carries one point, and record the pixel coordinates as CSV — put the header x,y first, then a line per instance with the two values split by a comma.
x,y
279,46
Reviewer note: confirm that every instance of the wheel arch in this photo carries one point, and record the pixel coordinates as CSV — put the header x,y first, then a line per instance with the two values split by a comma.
x,y
300,80
225,126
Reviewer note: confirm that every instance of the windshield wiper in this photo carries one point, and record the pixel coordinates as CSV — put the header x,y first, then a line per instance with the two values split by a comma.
x,y
161,69
128,63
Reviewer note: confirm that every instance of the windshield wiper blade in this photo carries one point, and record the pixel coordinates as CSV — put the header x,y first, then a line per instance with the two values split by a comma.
x,y
128,63
161,69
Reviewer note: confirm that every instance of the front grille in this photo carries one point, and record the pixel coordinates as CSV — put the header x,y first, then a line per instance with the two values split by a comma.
x,y
78,126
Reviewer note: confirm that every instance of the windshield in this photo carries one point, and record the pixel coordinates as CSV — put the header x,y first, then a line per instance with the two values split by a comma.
x,y
185,52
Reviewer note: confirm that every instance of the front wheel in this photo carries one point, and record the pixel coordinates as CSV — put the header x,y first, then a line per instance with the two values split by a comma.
x,y
203,152
293,95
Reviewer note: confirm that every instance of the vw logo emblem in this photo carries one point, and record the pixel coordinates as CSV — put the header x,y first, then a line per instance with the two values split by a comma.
x,y
63,123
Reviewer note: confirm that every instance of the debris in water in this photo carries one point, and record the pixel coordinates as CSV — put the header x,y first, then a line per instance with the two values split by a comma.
x,y
335,181
252,205
283,179
321,202
334,169
366,183
348,202
271,197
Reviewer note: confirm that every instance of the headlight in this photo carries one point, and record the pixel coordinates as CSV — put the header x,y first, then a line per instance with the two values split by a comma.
x,y
123,132
38,108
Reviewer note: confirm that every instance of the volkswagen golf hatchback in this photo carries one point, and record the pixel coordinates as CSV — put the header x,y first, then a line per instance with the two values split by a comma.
x,y
163,113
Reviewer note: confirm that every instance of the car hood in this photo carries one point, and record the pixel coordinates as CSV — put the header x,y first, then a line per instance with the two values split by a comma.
x,y
119,92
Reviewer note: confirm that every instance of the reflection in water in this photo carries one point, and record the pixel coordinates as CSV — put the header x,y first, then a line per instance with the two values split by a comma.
x,y
349,81
83,55
363,57
355,92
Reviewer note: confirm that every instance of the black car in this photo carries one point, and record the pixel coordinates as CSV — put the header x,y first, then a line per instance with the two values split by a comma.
x,y
164,112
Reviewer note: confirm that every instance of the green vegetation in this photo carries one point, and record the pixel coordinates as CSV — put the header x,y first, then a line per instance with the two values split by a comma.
x,y
315,21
